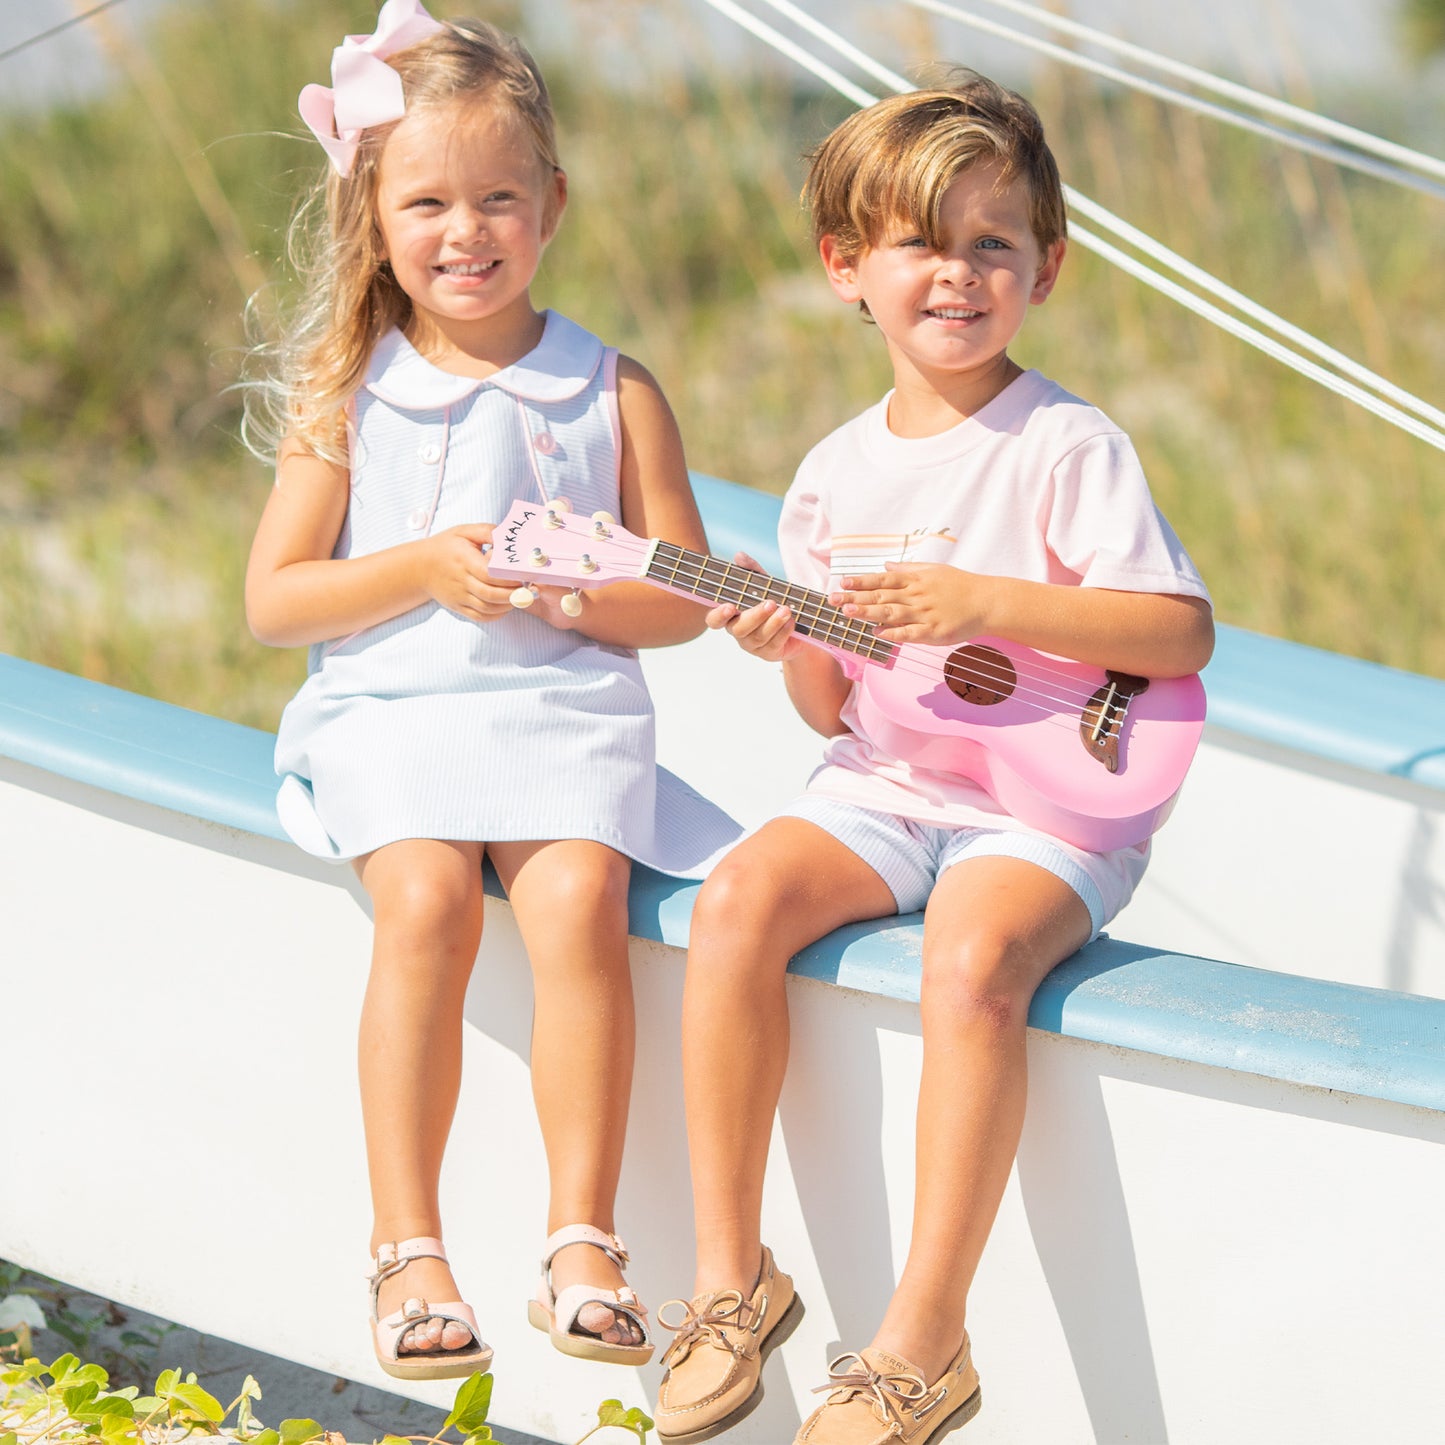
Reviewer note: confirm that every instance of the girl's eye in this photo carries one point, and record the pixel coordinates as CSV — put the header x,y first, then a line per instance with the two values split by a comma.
x,y
912,242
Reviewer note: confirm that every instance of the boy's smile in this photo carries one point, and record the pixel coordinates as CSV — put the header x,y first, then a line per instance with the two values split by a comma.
x,y
948,313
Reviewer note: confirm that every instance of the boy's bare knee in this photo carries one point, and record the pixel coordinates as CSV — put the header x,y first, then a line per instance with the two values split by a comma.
x,y
733,906
977,982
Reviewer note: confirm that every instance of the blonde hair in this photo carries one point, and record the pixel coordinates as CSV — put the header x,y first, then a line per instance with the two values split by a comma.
x,y
349,298
894,161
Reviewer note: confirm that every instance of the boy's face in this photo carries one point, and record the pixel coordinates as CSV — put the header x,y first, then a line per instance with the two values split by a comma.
x,y
950,314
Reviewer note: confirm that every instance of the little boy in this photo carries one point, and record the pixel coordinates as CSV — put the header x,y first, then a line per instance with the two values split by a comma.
x,y
975,499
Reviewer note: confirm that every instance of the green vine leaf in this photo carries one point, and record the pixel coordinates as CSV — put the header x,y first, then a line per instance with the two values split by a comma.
x,y
297,1432
612,1415
62,1367
469,1407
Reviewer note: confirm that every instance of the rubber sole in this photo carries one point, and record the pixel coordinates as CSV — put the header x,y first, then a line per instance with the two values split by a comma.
x,y
776,1336
960,1416
581,1347
418,1367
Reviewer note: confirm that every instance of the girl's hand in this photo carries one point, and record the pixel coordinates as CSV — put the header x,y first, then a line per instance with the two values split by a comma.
x,y
766,630
455,573
918,602
548,608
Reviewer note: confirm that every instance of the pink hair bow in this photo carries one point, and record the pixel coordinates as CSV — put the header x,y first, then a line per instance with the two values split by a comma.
x,y
364,89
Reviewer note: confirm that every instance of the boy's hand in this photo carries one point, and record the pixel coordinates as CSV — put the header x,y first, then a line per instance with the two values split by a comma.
x,y
766,630
917,602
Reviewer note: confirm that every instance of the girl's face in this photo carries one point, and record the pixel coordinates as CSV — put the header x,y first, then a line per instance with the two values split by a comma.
x,y
465,208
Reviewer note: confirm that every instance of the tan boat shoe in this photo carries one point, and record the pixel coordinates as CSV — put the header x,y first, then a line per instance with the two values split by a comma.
x,y
713,1368
880,1399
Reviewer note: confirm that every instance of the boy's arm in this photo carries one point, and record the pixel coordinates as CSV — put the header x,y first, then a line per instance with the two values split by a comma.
x,y
817,685
1148,633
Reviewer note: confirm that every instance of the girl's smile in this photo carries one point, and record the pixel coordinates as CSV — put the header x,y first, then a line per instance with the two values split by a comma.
x,y
465,209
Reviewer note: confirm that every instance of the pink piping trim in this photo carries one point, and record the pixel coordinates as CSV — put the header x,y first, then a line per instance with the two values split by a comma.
x,y
530,446
609,390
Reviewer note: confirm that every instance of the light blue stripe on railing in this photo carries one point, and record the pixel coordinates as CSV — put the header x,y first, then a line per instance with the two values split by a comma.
x,y
138,747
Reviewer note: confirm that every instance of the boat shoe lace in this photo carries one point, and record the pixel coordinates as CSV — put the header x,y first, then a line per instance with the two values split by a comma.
x,y
890,1393
705,1321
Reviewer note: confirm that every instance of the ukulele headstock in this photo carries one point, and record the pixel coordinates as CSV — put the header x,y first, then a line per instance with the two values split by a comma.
x,y
549,542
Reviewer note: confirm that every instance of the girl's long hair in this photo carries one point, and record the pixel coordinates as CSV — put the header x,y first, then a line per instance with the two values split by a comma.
x,y
301,383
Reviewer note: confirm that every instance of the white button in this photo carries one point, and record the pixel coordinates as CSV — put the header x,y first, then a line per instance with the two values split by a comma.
x,y
418,520
545,443
430,453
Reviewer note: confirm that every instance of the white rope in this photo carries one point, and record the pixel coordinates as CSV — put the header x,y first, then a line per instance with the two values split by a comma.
x,y
1434,435
1261,342
784,46
1340,155
1303,339
1270,104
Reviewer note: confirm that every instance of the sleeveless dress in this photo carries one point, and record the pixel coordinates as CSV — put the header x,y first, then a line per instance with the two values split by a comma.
x,y
430,725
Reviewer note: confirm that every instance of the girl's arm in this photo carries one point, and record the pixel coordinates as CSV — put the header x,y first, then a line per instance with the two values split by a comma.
x,y
657,501
297,593
1147,633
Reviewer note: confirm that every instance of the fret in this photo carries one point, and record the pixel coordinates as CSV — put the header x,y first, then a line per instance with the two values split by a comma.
x,y
712,579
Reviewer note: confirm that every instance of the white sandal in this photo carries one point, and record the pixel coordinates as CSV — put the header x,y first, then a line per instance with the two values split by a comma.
x,y
557,1313
386,1333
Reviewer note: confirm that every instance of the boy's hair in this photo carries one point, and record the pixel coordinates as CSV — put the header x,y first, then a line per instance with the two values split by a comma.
x,y
893,162
349,297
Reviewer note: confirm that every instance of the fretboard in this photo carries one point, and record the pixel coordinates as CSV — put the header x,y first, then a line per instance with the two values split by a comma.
x,y
699,575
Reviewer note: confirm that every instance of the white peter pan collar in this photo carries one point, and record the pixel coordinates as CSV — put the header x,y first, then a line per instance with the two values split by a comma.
x,y
558,367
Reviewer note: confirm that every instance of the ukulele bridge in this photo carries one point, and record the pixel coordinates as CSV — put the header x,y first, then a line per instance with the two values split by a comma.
x,y
1103,717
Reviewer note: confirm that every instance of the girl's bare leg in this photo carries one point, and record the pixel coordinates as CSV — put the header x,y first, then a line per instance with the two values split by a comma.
x,y
570,901
427,904
993,929
777,892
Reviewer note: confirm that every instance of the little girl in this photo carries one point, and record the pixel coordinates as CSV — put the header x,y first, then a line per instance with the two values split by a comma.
x,y
448,715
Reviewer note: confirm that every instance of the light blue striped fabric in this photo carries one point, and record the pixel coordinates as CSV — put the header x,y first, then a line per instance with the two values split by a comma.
x,y
433,726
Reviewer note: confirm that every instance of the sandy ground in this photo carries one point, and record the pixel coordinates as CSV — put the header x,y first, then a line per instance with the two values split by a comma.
x,y
362,1413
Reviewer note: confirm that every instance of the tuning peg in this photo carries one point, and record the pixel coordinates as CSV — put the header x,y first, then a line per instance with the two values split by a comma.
x,y
586,564
554,517
572,603
605,518
522,597
560,504
538,558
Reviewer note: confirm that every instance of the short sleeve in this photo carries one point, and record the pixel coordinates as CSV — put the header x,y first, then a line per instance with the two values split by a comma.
x,y
805,541
804,537
1105,528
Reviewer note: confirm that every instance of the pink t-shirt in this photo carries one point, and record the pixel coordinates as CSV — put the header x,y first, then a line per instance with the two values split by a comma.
x,y
1036,485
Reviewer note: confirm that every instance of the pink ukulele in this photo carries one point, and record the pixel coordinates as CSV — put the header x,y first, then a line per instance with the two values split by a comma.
x,y
1094,757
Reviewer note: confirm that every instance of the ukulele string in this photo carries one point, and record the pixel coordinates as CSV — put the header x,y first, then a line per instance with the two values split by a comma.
x,y
819,620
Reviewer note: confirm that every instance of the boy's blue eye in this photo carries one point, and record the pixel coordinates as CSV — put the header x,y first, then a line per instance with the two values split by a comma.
x,y
993,243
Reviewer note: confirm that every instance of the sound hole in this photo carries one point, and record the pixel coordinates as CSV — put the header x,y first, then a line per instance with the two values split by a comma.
x,y
980,675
